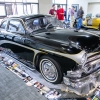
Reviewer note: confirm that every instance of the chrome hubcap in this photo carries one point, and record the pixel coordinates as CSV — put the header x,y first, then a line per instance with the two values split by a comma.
x,y
49,70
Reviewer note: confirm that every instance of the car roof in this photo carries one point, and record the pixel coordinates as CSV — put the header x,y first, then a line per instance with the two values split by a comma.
x,y
26,17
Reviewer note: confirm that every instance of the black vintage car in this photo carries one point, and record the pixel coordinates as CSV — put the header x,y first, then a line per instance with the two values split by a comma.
x,y
59,54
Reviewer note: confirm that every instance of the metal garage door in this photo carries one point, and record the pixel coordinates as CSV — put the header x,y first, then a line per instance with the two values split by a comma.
x,y
93,8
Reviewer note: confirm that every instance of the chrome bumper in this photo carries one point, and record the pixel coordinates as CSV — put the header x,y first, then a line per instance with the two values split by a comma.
x,y
83,86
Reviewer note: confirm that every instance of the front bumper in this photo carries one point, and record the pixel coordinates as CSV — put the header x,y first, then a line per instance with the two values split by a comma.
x,y
86,79
83,86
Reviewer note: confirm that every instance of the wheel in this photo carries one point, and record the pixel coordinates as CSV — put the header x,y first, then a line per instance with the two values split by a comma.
x,y
50,70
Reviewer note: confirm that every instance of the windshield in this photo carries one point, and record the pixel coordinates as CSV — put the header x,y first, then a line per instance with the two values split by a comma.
x,y
40,23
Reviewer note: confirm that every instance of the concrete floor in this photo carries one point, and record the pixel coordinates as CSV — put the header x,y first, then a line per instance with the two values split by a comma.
x,y
13,88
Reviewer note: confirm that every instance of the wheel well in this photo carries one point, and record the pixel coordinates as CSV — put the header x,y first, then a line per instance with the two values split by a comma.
x,y
37,59
38,56
65,63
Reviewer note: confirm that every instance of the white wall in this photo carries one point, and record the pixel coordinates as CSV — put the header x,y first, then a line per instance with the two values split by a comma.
x,y
45,6
83,3
93,8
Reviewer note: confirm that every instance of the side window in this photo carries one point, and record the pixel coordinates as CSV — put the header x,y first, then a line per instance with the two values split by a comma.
x,y
16,26
3,25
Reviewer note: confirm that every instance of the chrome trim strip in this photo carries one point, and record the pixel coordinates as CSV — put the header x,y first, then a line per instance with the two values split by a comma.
x,y
94,62
74,57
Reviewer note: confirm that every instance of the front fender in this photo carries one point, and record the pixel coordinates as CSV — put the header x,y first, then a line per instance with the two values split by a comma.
x,y
74,57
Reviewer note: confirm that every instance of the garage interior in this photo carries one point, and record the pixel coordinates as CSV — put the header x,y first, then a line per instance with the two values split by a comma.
x,y
55,59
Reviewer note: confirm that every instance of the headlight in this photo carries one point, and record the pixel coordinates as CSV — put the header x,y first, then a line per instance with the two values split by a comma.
x,y
84,58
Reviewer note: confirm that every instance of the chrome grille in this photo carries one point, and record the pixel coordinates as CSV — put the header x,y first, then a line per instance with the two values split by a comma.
x,y
92,66
93,58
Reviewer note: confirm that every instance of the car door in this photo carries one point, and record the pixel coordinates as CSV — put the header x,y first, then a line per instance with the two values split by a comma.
x,y
15,36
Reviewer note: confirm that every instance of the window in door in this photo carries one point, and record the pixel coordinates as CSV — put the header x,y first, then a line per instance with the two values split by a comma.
x,y
16,26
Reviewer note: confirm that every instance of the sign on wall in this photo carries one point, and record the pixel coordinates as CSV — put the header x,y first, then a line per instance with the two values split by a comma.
x,y
76,7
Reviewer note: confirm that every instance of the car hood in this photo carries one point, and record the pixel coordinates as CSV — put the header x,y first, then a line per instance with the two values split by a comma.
x,y
82,39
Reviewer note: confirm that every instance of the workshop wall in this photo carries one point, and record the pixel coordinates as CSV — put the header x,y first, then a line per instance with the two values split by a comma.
x,y
84,4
